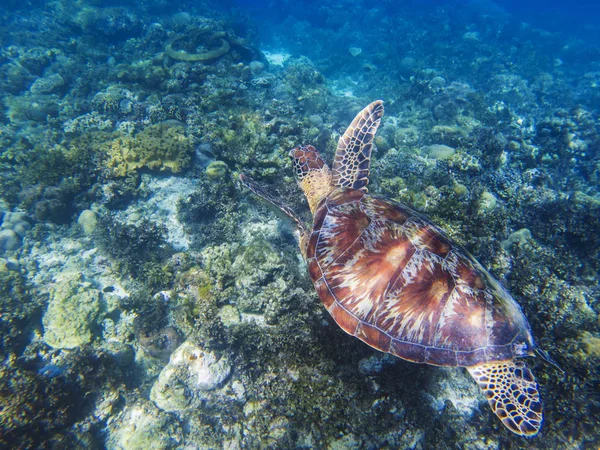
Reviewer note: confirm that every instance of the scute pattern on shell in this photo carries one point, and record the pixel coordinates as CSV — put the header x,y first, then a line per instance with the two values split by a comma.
x,y
393,279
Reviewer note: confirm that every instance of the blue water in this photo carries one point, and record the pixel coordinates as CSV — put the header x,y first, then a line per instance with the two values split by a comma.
x,y
557,15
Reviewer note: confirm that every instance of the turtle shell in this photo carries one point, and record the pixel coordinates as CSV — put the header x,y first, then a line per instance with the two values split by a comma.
x,y
390,277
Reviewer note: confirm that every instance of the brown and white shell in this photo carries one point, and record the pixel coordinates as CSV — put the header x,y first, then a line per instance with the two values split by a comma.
x,y
391,278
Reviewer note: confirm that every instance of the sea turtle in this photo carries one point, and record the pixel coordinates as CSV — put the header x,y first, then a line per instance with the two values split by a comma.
x,y
393,279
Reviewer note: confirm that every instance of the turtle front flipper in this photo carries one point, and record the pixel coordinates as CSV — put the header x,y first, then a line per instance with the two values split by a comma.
x,y
262,193
512,393
353,155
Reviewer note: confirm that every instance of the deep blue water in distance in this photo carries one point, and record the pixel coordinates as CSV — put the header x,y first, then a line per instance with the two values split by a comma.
x,y
556,15
581,16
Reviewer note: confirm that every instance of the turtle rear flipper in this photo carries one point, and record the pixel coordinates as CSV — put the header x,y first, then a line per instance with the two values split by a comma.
x,y
262,193
353,154
512,393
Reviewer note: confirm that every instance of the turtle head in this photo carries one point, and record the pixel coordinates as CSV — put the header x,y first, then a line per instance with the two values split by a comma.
x,y
312,173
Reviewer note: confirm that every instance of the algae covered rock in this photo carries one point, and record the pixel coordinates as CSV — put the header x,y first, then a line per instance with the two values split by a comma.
x,y
520,237
73,312
189,378
257,265
143,426
9,240
261,279
87,221
439,151
487,202
16,221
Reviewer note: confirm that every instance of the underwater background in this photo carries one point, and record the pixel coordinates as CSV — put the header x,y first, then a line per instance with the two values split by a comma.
x,y
147,300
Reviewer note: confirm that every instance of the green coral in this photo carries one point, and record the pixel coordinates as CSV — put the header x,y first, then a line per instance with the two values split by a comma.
x,y
260,279
157,275
258,142
196,308
163,146
590,345
17,307
33,107
211,213
138,249
249,279
36,172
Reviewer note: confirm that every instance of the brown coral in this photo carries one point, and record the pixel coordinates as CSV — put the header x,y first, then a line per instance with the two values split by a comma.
x,y
164,146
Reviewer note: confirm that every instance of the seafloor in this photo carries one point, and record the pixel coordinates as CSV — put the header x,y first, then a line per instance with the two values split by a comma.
x,y
148,302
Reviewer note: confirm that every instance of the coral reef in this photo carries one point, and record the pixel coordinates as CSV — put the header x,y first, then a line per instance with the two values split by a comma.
x,y
127,247
43,407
